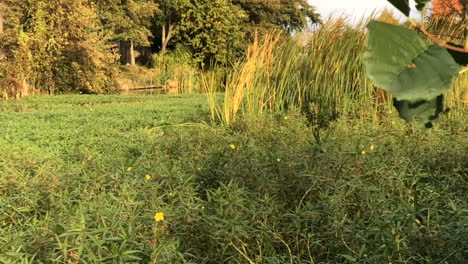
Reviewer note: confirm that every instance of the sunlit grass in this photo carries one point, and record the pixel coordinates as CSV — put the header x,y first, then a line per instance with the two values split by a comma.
x,y
144,179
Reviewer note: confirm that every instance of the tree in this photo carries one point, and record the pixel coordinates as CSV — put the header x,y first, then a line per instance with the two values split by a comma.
x,y
191,23
212,29
55,46
127,22
288,15
166,20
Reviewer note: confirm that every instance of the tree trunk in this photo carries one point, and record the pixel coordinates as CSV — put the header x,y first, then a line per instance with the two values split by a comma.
x,y
127,52
124,51
132,53
166,37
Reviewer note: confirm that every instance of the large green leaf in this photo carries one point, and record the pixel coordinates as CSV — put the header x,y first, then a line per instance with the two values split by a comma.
x,y
420,113
402,5
400,61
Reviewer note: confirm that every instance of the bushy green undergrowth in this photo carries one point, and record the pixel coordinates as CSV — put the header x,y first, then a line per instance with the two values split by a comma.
x,y
81,178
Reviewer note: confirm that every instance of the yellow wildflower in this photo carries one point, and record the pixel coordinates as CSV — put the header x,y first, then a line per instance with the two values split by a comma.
x,y
372,147
278,160
148,177
363,152
129,169
158,217
393,123
286,118
232,146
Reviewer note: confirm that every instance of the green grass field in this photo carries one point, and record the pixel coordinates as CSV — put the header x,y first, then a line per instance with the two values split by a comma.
x,y
83,177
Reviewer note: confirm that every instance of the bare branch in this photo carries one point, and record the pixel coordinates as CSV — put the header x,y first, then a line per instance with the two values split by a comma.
x,y
440,42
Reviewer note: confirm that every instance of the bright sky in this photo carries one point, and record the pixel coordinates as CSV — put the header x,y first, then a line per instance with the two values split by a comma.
x,y
354,9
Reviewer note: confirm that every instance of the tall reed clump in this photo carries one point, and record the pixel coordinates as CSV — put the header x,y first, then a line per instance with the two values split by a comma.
x,y
177,70
213,83
452,30
458,95
249,86
328,77
319,72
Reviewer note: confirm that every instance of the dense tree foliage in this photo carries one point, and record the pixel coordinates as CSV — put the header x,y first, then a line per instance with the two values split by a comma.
x,y
166,20
55,46
290,15
127,21
212,29
70,45
217,30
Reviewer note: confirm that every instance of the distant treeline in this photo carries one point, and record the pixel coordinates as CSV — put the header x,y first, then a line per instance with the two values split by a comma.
x,y
68,45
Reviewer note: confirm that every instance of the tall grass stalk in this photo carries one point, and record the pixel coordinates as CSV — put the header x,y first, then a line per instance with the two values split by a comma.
x,y
209,83
177,72
458,95
319,72
249,84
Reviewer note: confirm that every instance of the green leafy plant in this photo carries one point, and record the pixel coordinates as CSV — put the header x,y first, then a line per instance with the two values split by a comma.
x,y
415,67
